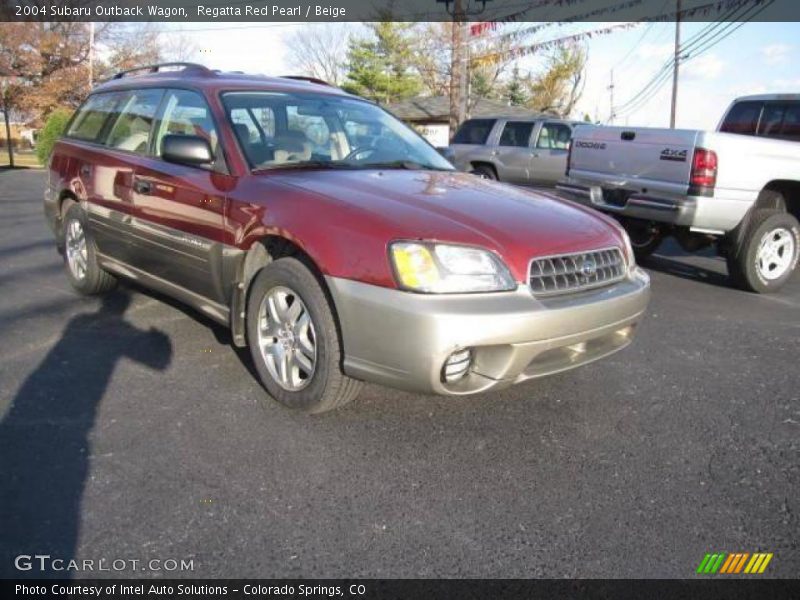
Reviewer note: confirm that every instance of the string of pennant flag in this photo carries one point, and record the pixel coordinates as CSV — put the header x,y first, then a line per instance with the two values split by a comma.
x,y
491,58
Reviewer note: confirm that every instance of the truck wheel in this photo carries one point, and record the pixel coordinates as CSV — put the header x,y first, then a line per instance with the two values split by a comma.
x,y
294,341
645,237
767,253
484,172
80,258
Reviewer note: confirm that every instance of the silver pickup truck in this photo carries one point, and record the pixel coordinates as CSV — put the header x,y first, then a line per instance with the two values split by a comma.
x,y
737,188
525,151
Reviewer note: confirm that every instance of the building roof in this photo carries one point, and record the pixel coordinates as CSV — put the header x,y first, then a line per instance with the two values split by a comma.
x,y
437,108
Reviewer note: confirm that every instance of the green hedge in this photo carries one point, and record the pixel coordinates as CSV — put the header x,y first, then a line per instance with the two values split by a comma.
x,y
53,129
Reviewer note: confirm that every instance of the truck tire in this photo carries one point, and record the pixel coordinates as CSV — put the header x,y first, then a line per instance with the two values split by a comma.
x,y
80,257
294,341
767,252
645,238
484,172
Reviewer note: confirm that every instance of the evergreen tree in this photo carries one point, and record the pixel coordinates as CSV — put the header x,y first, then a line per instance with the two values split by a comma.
x,y
515,90
380,68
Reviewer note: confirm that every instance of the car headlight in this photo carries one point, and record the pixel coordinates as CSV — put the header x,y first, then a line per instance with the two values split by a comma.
x,y
447,269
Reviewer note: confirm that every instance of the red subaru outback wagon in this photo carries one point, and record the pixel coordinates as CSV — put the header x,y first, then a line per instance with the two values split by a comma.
x,y
331,238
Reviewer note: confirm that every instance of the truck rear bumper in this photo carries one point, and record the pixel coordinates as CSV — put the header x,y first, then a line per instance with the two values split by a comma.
x,y
638,205
403,340
720,213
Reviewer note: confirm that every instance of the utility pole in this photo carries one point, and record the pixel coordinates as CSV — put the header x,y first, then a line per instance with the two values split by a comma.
x,y
611,114
458,67
91,54
674,109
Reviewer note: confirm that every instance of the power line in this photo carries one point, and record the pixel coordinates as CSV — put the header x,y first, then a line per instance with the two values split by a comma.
x,y
689,45
699,47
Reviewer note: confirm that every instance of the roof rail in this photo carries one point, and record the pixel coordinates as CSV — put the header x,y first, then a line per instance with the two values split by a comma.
x,y
308,79
157,67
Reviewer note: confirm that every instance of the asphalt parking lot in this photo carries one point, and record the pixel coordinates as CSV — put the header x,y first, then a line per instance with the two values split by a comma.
x,y
132,429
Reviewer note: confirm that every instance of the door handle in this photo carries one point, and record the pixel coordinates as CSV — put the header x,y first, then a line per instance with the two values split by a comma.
x,y
86,170
534,155
140,186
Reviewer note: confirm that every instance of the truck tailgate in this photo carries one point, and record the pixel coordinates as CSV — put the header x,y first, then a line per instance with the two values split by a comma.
x,y
633,157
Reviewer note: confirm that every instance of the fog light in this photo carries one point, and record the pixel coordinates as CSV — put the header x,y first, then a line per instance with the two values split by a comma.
x,y
457,365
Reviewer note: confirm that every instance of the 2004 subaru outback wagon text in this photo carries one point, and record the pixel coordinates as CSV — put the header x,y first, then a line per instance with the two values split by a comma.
x,y
332,240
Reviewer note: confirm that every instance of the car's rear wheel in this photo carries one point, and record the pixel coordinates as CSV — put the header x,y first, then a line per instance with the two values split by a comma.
x,y
294,340
484,172
80,257
767,253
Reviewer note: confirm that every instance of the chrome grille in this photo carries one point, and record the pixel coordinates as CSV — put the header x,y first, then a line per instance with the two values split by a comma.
x,y
575,272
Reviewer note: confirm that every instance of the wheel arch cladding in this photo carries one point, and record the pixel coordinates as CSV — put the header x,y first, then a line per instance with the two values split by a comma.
x,y
260,254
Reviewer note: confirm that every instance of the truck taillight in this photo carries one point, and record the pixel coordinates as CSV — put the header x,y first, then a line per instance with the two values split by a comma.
x,y
569,157
704,172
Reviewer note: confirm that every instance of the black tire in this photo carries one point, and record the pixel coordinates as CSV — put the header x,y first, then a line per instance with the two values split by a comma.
x,y
485,172
645,238
91,278
327,387
743,259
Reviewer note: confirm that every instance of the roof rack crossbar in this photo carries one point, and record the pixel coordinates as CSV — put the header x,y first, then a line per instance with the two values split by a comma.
x,y
308,79
157,67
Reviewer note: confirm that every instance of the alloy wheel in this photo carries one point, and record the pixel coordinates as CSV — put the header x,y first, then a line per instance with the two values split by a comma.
x,y
77,256
286,338
775,253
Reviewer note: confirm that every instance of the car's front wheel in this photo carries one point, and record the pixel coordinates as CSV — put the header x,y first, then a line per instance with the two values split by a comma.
x,y
294,340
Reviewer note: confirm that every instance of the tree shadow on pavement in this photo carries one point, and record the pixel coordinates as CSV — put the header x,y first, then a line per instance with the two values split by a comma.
x,y
44,437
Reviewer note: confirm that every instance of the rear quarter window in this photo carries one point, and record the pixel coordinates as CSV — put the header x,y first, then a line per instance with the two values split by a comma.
x,y
92,116
790,129
742,118
474,131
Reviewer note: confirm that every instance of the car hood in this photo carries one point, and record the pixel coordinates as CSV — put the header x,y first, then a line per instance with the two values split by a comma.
x,y
458,207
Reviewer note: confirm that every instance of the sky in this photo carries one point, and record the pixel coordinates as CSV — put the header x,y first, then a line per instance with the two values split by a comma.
x,y
749,59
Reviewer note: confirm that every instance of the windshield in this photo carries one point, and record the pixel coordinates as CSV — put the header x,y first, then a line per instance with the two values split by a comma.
x,y
294,130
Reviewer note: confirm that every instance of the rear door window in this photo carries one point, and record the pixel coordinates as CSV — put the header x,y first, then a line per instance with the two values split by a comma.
x,y
474,131
516,133
131,132
95,112
742,118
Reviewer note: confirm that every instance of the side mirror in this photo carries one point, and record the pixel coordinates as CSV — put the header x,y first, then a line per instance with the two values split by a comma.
x,y
191,150
447,152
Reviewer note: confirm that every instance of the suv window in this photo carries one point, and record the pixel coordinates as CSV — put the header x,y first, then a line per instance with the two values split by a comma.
x,y
89,121
186,113
516,133
474,131
554,136
742,118
132,129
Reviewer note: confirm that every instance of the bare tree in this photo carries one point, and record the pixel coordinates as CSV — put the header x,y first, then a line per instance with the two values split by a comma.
x,y
49,62
320,50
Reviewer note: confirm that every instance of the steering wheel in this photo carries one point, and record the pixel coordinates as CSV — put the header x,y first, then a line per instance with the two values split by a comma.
x,y
366,150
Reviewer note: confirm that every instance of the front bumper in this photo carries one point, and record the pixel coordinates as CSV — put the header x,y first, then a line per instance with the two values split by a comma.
x,y
402,340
